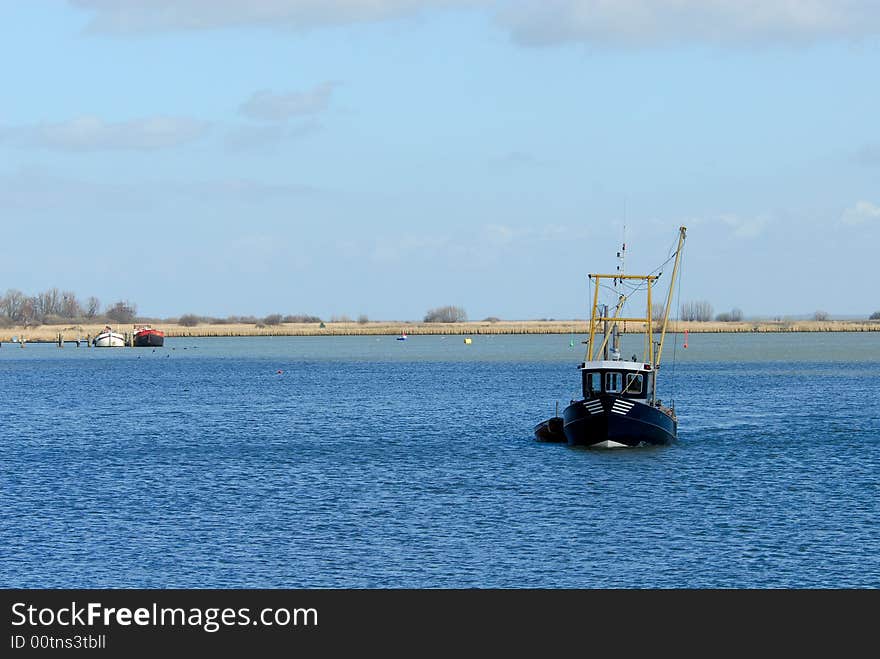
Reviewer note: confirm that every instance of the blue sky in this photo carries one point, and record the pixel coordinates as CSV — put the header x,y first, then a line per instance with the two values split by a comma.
x,y
385,157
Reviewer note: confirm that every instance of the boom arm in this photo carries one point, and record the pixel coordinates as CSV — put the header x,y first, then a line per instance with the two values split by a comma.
x,y
681,236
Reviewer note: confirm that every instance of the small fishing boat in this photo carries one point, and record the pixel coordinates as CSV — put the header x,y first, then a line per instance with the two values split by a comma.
x,y
402,336
620,406
147,337
109,339
550,430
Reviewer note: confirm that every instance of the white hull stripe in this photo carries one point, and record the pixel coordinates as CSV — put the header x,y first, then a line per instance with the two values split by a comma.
x,y
621,407
593,408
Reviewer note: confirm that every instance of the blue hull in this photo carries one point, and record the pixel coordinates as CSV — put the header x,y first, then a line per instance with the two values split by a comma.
x,y
616,421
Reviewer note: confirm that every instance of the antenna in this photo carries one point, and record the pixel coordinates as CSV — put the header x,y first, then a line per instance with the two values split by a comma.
x,y
621,273
621,260
621,255
621,266
623,242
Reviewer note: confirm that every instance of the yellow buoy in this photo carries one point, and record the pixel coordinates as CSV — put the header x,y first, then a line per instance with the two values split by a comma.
x,y
468,341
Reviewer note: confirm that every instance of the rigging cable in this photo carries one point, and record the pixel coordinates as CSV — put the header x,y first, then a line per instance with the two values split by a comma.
x,y
675,335
635,288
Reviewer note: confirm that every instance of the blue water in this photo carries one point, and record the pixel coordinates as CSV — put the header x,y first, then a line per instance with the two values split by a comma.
x,y
380,463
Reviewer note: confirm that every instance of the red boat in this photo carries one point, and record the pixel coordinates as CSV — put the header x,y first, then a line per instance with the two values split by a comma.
x,y
147,337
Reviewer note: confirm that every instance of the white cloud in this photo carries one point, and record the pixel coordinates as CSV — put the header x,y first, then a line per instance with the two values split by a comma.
x,y
498,234
862,212
89,133
652,22
745,227
267,137
267,106
134,16
531,22
262,253
868,155
479,246
39,191
738,226
515,160
390,250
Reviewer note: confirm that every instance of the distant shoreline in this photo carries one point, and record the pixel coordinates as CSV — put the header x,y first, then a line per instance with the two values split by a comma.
x,y
49,333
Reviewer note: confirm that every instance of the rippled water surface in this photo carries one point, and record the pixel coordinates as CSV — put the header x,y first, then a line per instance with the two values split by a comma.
x,y
379,463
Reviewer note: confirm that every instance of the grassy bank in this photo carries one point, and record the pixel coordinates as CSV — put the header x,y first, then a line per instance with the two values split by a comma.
x,y
49,333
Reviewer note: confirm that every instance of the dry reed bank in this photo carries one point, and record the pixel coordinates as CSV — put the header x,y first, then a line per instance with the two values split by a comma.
x,y
49,333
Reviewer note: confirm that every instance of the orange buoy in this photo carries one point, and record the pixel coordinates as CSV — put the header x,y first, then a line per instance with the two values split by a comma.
x,y
279,371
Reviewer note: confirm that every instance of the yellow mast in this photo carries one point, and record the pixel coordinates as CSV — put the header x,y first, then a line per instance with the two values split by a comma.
x,y
681,236
595,319
649,335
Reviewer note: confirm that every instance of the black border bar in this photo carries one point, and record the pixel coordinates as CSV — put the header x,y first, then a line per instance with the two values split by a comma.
x,y
417,621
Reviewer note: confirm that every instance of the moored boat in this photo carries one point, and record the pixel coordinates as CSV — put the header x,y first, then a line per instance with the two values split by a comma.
x,y
109,339
550,430
619,407
146,336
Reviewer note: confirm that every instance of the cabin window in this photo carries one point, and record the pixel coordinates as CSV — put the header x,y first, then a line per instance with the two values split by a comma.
x,y
634,384
592,384
613,382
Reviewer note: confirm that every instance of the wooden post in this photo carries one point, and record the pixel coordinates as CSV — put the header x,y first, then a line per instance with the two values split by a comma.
x,y
60,340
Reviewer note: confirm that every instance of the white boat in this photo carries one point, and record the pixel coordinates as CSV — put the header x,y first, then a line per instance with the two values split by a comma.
x,y
109,339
